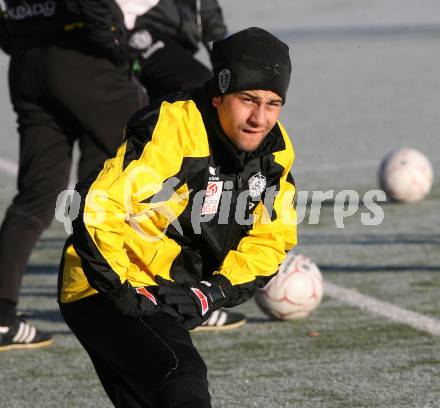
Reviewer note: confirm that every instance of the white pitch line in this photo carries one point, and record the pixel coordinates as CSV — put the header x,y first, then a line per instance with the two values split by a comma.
x,y
327,167
9,166
385,309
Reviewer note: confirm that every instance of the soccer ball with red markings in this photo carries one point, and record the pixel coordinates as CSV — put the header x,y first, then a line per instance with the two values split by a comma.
x,y
295,290
406,175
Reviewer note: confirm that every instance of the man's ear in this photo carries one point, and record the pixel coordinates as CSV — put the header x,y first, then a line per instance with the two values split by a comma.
x,y
216,100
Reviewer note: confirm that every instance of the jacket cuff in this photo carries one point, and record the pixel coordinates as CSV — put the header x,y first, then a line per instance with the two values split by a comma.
x,y
225,285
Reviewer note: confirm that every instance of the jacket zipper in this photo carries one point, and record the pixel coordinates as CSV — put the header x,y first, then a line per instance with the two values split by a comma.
x,y
239,181
199,18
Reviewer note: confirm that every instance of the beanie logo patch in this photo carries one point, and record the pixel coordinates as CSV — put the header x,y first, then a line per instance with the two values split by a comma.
x,y
273,70
224,80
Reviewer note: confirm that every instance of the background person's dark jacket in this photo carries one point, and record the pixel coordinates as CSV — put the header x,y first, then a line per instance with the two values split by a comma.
x,y
30,23
189,22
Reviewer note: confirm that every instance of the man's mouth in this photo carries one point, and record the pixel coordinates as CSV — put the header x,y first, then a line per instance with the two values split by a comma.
x,y
253,131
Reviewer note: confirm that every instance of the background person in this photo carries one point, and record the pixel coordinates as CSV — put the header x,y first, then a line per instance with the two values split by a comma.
x,y
166,38
194,213
68,80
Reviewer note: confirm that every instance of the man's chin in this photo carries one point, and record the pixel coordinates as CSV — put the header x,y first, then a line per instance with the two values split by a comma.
x,y
248,147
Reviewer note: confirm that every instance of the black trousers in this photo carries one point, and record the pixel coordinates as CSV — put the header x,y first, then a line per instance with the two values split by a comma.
x,y
166,66
60,94
149,362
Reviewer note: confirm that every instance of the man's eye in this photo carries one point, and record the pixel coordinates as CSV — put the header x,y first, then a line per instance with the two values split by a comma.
x,y
275,104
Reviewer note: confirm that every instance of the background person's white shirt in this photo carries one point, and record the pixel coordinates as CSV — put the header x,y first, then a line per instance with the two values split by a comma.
x,y
134,8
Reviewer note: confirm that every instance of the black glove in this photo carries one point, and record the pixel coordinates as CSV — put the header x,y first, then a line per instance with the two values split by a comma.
x,y
138,302
193,301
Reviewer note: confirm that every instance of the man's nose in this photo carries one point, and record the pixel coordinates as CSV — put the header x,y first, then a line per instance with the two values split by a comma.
x,y
258,116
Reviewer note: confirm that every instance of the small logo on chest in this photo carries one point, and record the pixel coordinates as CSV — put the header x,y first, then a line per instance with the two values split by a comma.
x,y
212,197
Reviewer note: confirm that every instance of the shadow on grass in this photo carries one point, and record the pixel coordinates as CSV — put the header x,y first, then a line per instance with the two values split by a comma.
x,y
30,293
258,320
307,239
52,315
331,202
378,268
42,269
51,243
371,239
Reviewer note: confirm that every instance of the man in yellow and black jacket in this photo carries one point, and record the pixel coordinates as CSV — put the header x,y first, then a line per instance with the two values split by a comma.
x,y
193,213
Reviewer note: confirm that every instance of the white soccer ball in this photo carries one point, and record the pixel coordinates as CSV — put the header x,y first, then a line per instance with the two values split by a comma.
x,y
406,175
295,290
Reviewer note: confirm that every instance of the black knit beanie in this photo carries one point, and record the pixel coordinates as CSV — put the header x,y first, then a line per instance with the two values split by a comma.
x,y
251,59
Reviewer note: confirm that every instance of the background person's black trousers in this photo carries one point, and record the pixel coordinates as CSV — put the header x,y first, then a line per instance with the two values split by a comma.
x,y
149,363
60,95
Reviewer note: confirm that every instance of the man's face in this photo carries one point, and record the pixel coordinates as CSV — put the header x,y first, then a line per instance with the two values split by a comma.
x,y
248,116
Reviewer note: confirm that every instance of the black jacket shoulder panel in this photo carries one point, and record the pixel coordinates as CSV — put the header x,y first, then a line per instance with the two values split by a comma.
x,y
33,23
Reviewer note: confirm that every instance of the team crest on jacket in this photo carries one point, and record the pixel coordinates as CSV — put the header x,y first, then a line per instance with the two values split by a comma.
x,y
257,184
224,79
